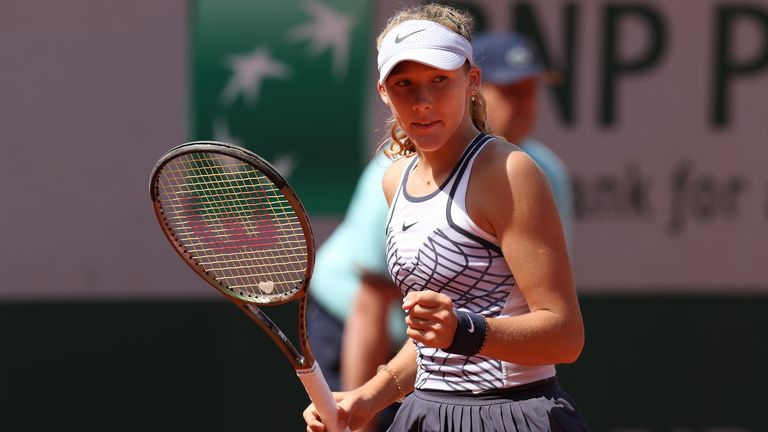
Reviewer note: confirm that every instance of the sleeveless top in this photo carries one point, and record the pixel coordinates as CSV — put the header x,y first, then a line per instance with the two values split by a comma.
x,y
433,244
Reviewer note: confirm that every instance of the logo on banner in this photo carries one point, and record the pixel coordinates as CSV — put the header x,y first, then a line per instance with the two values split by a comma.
x,y
279,83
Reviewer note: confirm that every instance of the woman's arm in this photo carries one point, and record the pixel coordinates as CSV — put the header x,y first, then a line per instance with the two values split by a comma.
x,y
366,342
523,216
403,367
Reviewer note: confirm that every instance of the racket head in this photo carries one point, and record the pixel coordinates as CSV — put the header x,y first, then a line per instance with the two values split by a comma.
x,y
235,220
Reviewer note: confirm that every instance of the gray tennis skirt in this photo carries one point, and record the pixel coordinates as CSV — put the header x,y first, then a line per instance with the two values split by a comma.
x,y
537,407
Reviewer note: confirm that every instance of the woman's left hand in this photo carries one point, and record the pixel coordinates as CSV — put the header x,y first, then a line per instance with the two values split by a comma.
x,y
430,318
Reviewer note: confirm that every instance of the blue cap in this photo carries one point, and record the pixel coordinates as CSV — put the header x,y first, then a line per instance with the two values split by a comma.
x,y
505,58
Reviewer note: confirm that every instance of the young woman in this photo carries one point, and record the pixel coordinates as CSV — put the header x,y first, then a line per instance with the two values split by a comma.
x,y
475,244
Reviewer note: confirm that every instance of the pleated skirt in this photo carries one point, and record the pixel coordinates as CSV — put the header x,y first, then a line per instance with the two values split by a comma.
x,y
536,407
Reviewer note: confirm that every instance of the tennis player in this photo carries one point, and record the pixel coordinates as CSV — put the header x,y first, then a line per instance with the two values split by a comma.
x,y
475,244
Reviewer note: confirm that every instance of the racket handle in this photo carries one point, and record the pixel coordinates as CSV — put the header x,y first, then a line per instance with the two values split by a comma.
x,y
321,396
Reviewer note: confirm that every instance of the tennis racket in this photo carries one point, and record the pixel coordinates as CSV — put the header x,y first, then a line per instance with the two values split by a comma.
x,y
237,223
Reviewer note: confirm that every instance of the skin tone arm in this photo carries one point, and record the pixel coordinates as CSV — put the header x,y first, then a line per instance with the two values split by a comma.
x,y
366,340
523,216
532,241
364,344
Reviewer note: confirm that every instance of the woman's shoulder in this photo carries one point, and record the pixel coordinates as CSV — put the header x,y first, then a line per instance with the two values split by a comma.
x,y
509,175
395,169
516,185
392,176
501,158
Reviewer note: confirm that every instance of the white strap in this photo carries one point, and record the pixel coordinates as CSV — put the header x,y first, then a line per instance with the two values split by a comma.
x,y
321,396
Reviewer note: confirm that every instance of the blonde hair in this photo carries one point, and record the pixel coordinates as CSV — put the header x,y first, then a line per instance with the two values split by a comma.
x,y
461,23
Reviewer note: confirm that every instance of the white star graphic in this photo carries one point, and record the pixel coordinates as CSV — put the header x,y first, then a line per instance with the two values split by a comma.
x,y
249,71
327,29
285,163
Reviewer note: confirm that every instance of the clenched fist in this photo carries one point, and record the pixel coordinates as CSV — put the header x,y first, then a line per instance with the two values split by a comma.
x,y
430,318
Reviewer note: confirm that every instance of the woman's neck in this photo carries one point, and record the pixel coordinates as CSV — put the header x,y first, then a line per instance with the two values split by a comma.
x,y
436,165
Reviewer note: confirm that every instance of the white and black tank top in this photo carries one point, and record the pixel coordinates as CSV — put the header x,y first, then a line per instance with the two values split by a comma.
x,y
433,244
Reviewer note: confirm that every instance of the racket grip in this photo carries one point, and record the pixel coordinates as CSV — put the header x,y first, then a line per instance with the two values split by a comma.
x,y
320,394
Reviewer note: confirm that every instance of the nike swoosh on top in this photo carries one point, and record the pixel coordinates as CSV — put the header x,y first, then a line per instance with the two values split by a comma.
x,y
471,328
405,227
399,38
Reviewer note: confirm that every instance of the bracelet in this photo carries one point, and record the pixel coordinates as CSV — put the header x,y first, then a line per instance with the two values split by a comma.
x,y
400,390
471,330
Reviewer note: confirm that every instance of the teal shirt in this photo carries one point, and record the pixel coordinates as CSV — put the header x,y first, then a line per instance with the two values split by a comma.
x,y
358,243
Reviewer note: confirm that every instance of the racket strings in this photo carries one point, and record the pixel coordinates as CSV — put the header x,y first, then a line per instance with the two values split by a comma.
x,y
235,223
238,276
293,251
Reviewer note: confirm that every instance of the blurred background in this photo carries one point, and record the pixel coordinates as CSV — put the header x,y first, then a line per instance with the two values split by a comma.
x,y
659,115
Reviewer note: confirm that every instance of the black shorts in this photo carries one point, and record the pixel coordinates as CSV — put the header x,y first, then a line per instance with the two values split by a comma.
x,y
537,407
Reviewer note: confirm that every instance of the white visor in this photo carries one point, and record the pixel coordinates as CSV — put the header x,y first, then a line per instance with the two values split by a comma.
x,y
425,42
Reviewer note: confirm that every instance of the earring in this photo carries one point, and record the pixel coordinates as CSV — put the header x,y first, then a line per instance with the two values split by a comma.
x,y
473,96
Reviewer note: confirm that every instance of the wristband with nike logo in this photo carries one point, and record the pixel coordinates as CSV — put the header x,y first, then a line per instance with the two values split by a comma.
x,y
470,333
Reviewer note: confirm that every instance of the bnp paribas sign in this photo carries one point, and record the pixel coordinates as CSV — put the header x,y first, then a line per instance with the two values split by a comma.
x,y
287,79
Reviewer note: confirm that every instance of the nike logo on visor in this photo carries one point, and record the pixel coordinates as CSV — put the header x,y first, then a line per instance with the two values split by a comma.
x,y
399,38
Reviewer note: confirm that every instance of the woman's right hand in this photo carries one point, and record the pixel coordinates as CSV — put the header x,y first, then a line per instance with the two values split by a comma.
x,y
356,409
